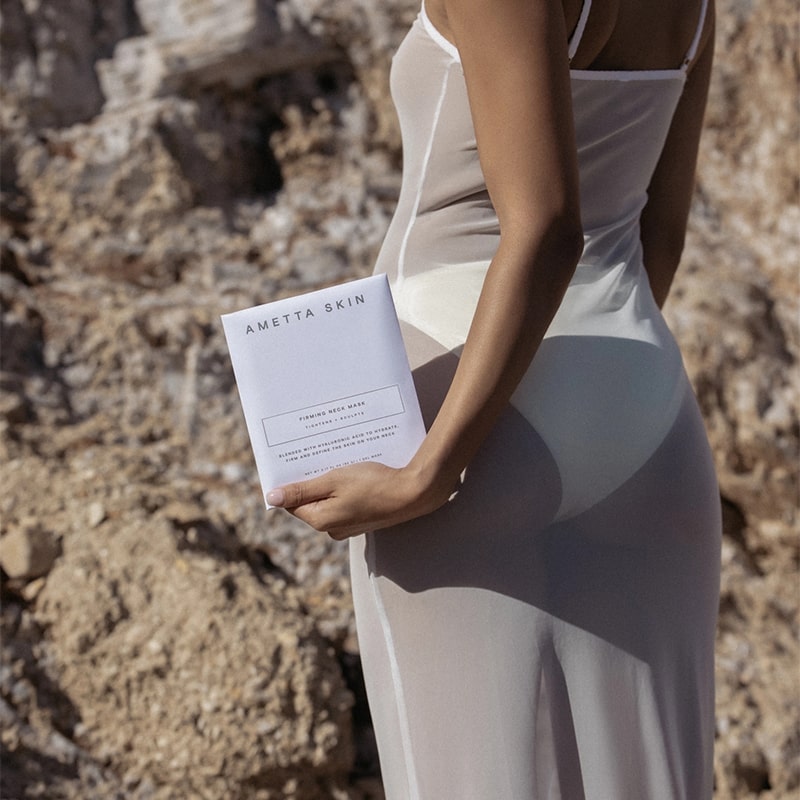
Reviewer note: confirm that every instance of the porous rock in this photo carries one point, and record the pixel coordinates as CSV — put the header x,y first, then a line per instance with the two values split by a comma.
x,y
28,551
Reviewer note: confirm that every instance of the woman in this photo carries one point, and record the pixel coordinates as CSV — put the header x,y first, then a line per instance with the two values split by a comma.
x,y
536,598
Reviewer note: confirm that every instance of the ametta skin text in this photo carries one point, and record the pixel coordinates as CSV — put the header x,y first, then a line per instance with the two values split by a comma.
x,y
299,315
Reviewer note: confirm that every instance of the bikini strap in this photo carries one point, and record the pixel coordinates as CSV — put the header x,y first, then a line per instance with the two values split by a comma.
x,y
577,34
692,51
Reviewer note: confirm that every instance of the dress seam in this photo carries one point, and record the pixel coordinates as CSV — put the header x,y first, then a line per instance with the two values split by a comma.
x,y
394,667
423,175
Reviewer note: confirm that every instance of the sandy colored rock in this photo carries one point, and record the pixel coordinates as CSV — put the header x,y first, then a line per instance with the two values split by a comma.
x,y
239,696
28,551
48,53
189,667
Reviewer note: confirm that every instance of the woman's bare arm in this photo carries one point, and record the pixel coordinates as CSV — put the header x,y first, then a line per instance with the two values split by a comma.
x,y
669,195
514,58
513,53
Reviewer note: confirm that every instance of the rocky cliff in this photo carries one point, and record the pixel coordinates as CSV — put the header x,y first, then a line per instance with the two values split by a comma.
x,y
166,162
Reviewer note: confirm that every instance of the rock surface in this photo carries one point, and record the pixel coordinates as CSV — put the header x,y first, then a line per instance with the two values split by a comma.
x,y
166,162
28,551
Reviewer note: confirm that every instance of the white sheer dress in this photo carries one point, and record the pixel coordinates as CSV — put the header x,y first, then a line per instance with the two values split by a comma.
x,y
549,633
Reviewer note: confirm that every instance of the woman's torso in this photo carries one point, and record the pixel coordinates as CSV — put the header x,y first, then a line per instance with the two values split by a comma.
x,y
608,366
445,230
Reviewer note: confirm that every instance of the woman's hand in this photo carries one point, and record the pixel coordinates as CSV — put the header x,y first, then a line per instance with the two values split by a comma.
x,y
361,497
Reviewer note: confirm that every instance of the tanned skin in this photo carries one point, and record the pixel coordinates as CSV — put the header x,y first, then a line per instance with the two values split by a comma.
x,y
513,53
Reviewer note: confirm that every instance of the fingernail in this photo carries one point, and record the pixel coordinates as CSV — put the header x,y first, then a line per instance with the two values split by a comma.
x,y
275,497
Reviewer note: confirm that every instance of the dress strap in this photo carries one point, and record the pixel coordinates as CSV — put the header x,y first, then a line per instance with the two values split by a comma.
x,y
437,37
692,51
577,34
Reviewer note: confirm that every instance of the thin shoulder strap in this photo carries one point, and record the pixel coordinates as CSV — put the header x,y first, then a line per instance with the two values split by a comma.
x,y
577,34
692,51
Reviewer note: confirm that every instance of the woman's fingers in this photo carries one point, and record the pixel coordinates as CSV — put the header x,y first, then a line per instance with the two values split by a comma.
x,y
298,494
342,502
313,502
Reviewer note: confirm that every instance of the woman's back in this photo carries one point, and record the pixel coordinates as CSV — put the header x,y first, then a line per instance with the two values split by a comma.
x,y
635,34
624,102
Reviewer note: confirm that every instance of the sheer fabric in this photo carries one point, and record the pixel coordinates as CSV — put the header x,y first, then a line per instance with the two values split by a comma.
x,y
548,634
